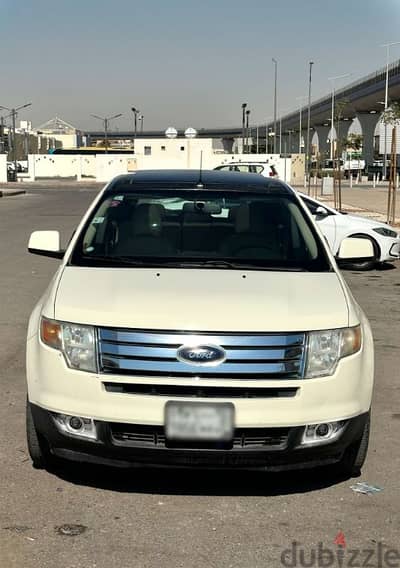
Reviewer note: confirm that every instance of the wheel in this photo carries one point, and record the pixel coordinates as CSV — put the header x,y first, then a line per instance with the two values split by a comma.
x,y
37,447
366,264
355,456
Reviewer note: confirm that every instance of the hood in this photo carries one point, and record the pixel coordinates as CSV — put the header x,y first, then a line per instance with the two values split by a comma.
x,y
366,222
201,299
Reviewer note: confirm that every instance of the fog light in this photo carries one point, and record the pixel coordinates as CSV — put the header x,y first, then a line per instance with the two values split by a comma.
x,y
323,433
323,430
76,426
76,423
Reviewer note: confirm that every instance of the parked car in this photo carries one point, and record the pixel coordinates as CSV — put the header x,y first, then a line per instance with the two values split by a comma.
x,y
267,170
217,334
337,226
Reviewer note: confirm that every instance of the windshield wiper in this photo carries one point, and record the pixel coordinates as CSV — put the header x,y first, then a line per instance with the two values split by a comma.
x,y
237,265
121,260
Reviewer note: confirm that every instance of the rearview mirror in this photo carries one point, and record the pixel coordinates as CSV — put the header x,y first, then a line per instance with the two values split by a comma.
x,y
46,243
355,249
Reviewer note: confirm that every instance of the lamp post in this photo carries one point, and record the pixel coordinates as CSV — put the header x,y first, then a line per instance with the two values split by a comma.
x,y
13,114
333,79
300,99
244,105
105,121
247,130
135,119
308,151
275,62
141,118
388,46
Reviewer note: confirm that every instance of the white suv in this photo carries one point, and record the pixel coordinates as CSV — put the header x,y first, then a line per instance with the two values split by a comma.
x,y
262,168
199,320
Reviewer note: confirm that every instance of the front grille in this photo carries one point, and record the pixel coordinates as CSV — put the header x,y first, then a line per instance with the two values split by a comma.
x,y
189,391
248,355
153,436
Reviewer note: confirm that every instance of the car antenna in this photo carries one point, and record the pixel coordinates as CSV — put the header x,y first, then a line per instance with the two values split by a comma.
x,y
200,182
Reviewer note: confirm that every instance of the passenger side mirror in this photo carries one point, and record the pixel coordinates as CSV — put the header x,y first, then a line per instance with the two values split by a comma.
x,y
355,250
321,212
46,243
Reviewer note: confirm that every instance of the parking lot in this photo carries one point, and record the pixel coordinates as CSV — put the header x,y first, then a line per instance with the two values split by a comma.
x,y
167,518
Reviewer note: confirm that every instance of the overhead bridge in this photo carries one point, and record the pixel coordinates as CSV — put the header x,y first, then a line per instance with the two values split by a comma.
x,y
362,99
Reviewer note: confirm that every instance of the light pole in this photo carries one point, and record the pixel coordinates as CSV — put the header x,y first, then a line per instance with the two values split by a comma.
x,y
388,46
275,62
247,130
13,114
244,105
308,151
105,121
135,118
141,118
333,79
300,99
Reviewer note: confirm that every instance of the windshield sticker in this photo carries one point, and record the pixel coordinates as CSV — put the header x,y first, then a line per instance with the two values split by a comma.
x,y
97,220
118,197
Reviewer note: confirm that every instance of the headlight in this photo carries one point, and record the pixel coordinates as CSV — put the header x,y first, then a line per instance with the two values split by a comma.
x,y
326,348
77,343
385,232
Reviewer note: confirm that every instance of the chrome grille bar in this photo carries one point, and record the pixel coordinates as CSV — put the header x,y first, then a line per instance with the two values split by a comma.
x,y
138,352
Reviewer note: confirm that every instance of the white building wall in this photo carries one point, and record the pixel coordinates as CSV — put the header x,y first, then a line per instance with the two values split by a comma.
x,y
3,168
389,138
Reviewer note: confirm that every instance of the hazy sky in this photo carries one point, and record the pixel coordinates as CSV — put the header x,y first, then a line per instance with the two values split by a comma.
x,y
183,62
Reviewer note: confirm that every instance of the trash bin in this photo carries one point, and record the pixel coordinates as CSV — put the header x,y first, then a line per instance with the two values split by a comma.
x,y
11,175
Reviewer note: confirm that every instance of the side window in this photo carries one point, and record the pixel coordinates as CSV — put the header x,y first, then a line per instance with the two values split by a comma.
x,y
256,169
222,168
242,168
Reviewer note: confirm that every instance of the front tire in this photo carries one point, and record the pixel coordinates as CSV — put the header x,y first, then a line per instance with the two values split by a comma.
x,y
37,447
355,456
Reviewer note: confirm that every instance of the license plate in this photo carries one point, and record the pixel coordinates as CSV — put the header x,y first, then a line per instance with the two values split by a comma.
x,y
199,421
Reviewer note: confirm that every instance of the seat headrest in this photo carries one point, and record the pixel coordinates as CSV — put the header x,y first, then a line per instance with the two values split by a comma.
x,y
147,219
252,218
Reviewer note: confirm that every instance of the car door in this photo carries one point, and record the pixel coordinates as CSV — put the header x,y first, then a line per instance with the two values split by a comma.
x,y
327,222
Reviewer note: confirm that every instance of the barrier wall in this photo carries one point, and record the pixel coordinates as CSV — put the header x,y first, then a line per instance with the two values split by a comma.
x,y
3,168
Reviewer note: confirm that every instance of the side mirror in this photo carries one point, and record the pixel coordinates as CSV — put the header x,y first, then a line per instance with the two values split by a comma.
x,y
355,250
46,243
321,212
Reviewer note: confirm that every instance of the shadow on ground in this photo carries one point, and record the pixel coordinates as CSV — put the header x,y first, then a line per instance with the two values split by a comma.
x,y
197,482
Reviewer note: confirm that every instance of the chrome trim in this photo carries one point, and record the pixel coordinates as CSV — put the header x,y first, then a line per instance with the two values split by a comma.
x,y
247,355
178,339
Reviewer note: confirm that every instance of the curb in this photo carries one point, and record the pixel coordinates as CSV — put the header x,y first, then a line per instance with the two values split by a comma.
x,y
11,192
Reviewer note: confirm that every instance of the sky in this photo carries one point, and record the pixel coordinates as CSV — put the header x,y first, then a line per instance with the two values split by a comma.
x,y
183,62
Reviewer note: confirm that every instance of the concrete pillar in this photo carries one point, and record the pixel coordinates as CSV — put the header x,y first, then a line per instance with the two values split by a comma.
x,y
323,144
368,123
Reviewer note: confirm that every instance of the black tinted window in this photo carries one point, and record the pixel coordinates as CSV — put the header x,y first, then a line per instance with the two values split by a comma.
x,y
264,229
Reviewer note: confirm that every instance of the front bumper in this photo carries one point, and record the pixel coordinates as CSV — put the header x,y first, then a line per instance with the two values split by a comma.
x,y
127,445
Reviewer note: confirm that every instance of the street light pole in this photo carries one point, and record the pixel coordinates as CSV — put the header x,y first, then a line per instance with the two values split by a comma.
x,y
333,79
135,117
244,105
275,62
14,112
308,151
388,46
300,99
247,130
105,121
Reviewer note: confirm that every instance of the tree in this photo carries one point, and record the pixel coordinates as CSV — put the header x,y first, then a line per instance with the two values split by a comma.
x,y
392,117
355,142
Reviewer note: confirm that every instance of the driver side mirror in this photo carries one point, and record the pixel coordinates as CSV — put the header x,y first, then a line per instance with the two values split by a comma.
x,y
46,243
355,250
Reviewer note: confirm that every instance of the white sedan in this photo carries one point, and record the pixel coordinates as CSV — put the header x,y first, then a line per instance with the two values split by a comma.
x,y
336,226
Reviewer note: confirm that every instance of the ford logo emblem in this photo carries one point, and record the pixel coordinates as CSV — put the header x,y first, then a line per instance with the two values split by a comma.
x,y
204,355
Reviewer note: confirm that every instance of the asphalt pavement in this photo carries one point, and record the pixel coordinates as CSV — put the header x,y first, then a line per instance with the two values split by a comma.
x,y
86,517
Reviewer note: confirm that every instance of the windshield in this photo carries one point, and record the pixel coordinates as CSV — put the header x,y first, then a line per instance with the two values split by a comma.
x,y
191,228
